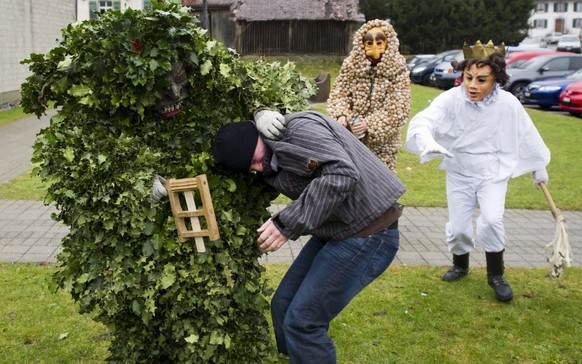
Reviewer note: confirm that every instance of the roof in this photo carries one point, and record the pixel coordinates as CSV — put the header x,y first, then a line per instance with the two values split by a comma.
x,y
261,10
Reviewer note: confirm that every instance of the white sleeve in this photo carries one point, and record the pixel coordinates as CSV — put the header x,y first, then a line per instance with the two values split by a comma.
x,y
533,153
421,128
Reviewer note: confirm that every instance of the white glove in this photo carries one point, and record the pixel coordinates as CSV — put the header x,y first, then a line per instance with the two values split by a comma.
x,y
540,176
435,148
270,124
158,191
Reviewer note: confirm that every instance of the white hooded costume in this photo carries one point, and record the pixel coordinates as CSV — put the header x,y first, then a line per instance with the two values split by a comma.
x,y
491,141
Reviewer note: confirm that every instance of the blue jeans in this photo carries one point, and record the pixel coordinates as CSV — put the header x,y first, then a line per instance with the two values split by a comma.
x,y
319,284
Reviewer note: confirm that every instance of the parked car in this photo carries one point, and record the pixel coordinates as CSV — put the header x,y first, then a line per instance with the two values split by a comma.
x,y
546,94
444,73
513,60
531,42
569,43
552,38
421,74
516,58
514,49
540,68
571,98
417,60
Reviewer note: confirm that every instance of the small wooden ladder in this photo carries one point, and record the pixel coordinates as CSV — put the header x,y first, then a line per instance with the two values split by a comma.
x,y
187,220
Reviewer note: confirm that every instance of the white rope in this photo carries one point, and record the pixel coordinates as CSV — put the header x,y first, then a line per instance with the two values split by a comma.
x,y
560,249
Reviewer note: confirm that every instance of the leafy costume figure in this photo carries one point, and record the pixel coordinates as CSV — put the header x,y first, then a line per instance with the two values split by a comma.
x,y
141,93
374,85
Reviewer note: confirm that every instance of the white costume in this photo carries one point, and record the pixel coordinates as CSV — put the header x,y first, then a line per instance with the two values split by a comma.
x,y
491,141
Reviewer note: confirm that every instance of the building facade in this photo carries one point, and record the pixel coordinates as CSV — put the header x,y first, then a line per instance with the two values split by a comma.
x,y
555,16
34,26
88,9
27,26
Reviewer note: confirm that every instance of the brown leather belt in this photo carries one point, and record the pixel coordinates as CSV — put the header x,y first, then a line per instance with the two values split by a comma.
x,y
385,220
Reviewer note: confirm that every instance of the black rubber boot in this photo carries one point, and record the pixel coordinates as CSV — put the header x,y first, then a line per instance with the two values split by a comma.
x,y
459,269
495,269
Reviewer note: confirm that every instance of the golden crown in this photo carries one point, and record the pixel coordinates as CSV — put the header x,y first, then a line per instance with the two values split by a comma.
x,y
478,50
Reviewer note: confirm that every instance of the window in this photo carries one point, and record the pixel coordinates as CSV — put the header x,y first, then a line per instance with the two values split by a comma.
x,y
147,4
104,6
576,63
578,7
560,7
540,23
542,8
577,23
558,64
100,6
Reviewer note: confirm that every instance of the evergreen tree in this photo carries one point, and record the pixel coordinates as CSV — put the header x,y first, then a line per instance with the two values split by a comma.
x,y
427,26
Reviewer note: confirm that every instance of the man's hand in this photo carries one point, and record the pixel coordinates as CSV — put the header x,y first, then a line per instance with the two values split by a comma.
x,y
271,238
540,176
343,120
435,148
270,124
158,191
359,128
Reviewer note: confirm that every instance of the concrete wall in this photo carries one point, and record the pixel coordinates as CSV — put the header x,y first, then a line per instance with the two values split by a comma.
x,y
28,26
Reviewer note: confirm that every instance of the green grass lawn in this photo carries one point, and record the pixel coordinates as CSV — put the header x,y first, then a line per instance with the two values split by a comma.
x,y
408,315
37,326
24,187
10,115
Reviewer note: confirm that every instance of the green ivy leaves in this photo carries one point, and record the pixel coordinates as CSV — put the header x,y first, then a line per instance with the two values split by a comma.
x,y
162,300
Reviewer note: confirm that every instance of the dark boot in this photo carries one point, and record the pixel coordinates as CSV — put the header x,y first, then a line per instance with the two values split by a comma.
x,y
495,269
459,269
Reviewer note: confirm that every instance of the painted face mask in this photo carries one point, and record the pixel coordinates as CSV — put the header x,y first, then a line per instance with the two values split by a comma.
x,y
375,44
171,104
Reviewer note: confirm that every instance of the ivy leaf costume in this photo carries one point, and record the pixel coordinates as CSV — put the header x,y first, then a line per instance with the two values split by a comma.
x,y
114,79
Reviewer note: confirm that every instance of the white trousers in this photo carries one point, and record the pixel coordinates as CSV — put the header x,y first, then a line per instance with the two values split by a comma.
x,y
464,195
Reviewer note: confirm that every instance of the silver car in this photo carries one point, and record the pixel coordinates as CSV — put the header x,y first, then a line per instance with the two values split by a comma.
x,y
552,38
569,43
417,60
541,68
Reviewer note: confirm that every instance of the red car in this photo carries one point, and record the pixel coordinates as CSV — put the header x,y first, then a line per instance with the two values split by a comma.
x,y
513,60
571,98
